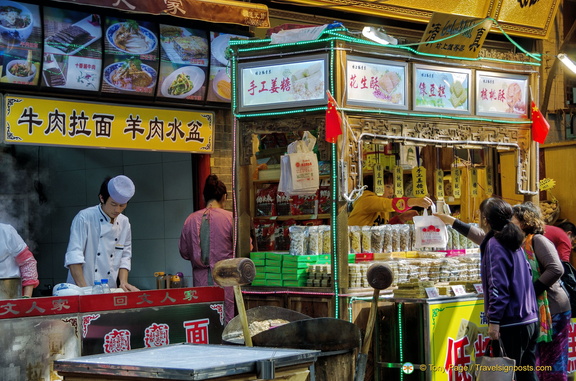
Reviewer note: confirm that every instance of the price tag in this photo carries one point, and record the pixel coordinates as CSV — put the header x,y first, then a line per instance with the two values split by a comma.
x,y
547,184
457,182
379,180
489,181
419,180
439,180
398,181
479,289
458,290
474,181
432,292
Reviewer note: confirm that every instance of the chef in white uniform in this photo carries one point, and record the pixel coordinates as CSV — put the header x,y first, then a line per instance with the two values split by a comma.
x,y
100,245
16,260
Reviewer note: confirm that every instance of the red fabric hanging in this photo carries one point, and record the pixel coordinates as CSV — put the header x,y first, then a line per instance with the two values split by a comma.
x,y
333,120
540,126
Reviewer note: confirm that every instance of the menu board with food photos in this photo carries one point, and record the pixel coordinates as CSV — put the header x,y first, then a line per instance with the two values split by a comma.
x,y
219,87
72,50
130,57
20,43
183,63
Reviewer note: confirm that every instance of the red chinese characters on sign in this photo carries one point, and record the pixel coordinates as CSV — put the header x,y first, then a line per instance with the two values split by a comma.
x,y
197,331
275,86
117,341
156,335
457,361
492,95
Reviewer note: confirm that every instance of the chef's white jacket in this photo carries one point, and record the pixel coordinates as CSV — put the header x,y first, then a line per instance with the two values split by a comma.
x,y
101,247
11,244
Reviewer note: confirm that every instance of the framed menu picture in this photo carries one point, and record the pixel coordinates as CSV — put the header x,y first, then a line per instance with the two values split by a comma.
x,y
72,50
441,89
219,86
20,43
376,83
130,57
283,83
500,94
183,63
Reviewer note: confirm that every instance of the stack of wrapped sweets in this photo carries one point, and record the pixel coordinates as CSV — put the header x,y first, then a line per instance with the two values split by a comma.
x,y
319,275
414,288
457,241
357,275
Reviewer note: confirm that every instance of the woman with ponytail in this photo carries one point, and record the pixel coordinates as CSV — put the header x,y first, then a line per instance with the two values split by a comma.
x,y
509,297
207,237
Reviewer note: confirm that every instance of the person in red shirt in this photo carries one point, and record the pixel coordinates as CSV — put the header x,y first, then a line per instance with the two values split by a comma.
x,y
560,240
570,230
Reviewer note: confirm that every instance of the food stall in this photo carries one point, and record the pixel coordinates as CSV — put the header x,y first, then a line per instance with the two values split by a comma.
x,y
450,126
37,331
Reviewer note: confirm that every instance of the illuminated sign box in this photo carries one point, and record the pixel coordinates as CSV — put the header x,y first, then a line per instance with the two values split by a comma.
x,y
442,90
283,83
501,95
376,83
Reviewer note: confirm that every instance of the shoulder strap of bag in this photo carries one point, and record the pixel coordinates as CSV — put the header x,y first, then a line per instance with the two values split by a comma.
x,y
205,245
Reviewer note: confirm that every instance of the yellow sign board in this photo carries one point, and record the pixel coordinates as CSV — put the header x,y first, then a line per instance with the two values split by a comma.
x,y
547,184
458,336
44,121
454,35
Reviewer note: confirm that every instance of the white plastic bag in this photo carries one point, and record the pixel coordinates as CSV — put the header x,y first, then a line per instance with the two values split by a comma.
x,y
299,174
430,231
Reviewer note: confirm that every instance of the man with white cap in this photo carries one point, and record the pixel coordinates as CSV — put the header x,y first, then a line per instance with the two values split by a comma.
x,y
100,245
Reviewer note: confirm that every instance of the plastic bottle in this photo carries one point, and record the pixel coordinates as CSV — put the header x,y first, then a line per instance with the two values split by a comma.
x,y
97,288
105,286
160,280
168,280
175,282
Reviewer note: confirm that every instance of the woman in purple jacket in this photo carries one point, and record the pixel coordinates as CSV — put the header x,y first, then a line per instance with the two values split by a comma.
x,y
509,298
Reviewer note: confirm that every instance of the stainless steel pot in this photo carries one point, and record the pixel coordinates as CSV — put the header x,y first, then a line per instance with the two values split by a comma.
x,y
10,288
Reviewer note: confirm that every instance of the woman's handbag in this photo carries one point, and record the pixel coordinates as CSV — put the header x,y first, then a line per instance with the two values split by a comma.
x,y
497,367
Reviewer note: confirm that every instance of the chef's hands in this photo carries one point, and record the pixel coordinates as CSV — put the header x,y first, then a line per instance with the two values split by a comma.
x,y
494,331
124,285
128,287
423,202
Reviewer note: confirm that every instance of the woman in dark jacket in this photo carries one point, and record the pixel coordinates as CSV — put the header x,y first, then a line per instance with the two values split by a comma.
x,y
509,298
553,302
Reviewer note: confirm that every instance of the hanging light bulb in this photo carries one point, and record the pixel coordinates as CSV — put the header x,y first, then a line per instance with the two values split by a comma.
x,y
567,62
378,35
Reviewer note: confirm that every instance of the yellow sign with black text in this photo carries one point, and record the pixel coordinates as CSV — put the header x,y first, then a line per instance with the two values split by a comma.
x,y
43,121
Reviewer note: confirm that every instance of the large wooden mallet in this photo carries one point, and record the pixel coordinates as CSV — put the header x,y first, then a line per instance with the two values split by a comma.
x,y
380,277
236,272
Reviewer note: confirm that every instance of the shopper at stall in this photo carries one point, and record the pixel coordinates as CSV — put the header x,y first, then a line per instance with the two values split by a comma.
x,y
509,298
100,245
570,230
560,240
16,260
207,237
553,302
371,209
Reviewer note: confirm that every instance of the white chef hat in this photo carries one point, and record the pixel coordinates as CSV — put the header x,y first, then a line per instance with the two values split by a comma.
x,y
121,189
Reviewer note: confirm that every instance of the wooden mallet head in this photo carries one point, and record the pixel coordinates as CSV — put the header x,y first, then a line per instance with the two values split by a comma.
x,y
379,276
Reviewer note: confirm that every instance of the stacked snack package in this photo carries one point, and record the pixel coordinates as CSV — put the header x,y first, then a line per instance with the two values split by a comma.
x,y
264,231
355,235
324,197
266,201
298,240
314,243
282,235
282,204
300,205
326,239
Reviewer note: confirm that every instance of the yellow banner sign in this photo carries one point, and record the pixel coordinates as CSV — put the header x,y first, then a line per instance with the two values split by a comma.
x,y
454,35
45,121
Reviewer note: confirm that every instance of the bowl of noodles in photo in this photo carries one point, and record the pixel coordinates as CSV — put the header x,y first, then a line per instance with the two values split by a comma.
x,y
131,75
16,22
221,85
20,71
183,82
130,37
